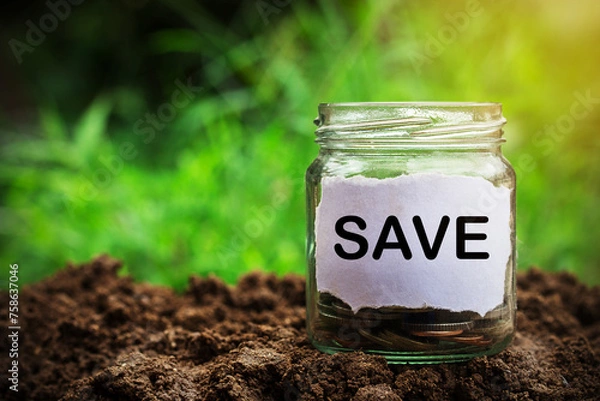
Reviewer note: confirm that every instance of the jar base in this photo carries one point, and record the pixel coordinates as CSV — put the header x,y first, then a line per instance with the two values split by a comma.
x,y
423,358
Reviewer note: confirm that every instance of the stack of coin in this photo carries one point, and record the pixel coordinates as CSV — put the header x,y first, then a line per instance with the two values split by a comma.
x,y
403,329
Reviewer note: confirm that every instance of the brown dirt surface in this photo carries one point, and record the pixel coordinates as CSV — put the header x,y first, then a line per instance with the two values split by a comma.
x,y
87,334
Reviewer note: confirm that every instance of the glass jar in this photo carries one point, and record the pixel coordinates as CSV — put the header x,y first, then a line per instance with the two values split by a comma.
x,y
411,232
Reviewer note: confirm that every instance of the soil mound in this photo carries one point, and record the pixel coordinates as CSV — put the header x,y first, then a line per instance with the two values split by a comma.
x,y
87,334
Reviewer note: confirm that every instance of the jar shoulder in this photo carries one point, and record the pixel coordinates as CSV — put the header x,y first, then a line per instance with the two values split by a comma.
x,y
491,166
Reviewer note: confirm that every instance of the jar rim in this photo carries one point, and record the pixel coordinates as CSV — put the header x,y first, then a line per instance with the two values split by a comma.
x,y
426,104
370,124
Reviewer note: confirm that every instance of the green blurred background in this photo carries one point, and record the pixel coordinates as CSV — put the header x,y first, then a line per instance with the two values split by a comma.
x,y
175,134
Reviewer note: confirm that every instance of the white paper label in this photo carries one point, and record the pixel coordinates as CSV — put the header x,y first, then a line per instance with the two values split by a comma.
x,y
418,240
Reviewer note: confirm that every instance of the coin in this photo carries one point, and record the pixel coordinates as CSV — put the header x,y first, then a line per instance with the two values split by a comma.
x,y
404,329
438,327
484,343
341,308
352,321
376,339
466,338
403,310
437,333
407,343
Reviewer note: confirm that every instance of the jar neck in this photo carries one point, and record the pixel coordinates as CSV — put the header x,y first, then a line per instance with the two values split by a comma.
x,y
367,147
389,127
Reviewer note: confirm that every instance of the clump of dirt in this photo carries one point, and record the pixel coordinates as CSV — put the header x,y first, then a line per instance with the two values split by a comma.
x,y
87,334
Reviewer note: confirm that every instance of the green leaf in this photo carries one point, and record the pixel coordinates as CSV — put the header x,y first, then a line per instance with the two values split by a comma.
x,y
52,124
91,127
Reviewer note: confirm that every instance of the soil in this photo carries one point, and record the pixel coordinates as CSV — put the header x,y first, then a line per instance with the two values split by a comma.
x,y
88,334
